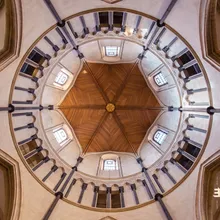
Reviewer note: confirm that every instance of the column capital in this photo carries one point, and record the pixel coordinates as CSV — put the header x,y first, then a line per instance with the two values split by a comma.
x,y
11,108
39,149
133,187
139,160
170,108
172,160
144,169
159,24
59,194
61,24
74,168
210,110
108,190
46,159
41,107
158,195
54,168
33,137
80,159
186,139
121,189
50,107
84,186
164,169
96,189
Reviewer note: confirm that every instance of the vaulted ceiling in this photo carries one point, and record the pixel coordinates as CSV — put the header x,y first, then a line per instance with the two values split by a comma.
x,y
110,107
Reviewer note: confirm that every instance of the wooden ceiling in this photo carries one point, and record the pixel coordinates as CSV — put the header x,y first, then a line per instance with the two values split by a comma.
x,y
122,130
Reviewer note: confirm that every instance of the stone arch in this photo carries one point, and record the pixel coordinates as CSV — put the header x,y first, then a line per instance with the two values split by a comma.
x,y
10,200
10,44
207,183
211,28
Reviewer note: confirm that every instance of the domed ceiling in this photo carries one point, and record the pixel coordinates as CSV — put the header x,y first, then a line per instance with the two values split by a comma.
x,y
110,107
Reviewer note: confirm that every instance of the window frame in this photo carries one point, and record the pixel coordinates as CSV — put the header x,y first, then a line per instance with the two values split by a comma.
x,y
164,136
115,165
116,48
56,82
64,141
163,79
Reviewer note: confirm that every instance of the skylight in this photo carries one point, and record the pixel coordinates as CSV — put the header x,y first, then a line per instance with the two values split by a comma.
x,y
112,51
159,136
61,78
160,79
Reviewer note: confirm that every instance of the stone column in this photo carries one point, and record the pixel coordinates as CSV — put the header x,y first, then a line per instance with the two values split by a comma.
x,y
96,191
70,187
165,170
147,189
84,186
45,160
33,137
158,183
53,169
167,12
173,161
33,152
59,195
187,65
133,187
157,196
108,200
179,54
122,200
60,181
187,155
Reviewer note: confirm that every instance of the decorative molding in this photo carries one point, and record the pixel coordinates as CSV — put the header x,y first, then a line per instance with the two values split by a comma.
x,y
207,168
209,33
108,218
12,43
111,1
14,185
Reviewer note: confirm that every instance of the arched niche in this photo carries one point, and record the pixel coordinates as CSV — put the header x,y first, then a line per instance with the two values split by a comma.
x,y
9,188
207,204
11,24
212,30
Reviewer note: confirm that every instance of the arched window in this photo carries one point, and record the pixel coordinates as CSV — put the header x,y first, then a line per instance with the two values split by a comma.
x,y
60,135
160,80
159,136
110,165
61,78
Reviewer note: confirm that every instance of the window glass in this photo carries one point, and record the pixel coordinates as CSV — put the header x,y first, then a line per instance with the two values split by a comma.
x,y
118,17
186,57
112,51
36,57
160,80
110,165
103,18
27,69
61,78
60,135
159,136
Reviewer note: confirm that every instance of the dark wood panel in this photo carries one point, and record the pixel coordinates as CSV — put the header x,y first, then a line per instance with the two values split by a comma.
x,y
136,91
109,138
85,107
